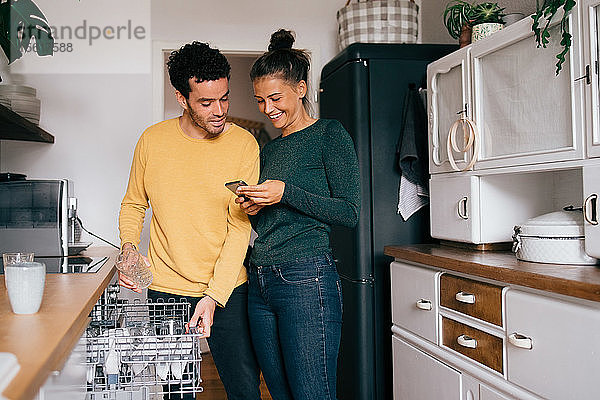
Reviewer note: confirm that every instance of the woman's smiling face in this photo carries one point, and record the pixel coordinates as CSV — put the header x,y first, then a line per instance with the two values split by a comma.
x,y
281,101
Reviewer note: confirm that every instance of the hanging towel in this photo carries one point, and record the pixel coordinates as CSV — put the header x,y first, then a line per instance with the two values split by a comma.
x,y
411,152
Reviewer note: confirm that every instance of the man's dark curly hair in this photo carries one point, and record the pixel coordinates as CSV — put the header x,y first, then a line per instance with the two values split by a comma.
x,y
196,60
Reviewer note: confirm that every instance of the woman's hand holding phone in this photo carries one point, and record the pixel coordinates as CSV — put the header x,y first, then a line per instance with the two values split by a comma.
x,y
267,193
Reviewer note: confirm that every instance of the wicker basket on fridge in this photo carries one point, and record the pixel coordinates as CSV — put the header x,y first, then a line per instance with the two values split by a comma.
x,y
378,21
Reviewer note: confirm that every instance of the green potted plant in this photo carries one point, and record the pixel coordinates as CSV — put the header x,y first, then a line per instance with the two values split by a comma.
x,y
460,17
456,20
486,18
542,19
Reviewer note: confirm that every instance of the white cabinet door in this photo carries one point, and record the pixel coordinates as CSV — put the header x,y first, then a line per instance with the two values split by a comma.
x,y
553,346
454,208
525,113
486,393
591,33
449,81
591,190
69,383
420,376
414,299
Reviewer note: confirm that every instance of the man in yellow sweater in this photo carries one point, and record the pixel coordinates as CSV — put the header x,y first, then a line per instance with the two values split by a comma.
x,y
198,234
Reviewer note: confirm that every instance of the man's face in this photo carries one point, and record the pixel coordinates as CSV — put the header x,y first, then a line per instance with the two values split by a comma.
x,y
207,104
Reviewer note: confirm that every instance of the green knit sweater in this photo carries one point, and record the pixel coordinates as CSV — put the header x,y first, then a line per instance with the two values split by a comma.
x,y
319,167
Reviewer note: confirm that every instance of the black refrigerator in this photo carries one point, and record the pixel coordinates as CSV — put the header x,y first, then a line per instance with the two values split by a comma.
x,y
364,87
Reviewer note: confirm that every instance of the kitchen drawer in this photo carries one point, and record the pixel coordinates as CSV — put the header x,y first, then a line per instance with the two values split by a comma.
x,y
417,375
486,349
477,299
454,208
553,346
414,301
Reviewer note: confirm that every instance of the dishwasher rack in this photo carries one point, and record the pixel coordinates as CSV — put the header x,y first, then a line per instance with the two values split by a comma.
x,y
141,351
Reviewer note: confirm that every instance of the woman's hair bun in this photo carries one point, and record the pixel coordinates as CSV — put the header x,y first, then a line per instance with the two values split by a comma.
x,y
282,39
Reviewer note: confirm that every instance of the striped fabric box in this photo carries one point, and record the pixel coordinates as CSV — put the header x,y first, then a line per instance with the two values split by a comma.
x,y
379,21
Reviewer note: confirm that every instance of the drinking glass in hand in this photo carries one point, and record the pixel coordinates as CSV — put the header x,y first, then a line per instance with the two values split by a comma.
x,y
131,264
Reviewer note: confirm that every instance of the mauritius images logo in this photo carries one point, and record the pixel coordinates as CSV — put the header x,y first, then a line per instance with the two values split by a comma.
x,y
20,22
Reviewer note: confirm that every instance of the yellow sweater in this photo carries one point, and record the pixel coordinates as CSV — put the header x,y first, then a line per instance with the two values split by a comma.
x,y
198,235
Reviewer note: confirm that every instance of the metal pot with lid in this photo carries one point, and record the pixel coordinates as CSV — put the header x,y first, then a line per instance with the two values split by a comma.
x,y
553,238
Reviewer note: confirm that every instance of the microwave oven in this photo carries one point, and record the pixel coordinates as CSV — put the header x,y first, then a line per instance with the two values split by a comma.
x,y
37,216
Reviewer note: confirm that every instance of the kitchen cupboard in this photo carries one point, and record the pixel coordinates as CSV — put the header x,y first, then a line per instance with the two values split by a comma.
x,y
525,114
497,340
420,376
591,35
486,393
553,346
449,96
533,126
415,302
484,209
69,382
591,188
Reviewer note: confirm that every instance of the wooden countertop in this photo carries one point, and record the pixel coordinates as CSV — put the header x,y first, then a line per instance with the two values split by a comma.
x,y
581,281
43,341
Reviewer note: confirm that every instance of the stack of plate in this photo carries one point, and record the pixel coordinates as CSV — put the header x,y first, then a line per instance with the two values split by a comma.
x,y
21,99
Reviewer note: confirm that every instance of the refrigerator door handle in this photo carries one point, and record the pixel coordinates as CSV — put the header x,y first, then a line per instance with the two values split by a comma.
x,y
364,281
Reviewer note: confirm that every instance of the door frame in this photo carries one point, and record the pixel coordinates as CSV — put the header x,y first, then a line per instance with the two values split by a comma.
x,y
158,75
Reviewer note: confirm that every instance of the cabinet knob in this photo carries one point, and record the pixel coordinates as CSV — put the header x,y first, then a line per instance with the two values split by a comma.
x,y
467,341
590,209
464,297
461,209
423,304
521,341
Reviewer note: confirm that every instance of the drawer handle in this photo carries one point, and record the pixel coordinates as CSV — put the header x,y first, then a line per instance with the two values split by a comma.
x,y
461,208
423,304
518,340
464,297
590,209
467,341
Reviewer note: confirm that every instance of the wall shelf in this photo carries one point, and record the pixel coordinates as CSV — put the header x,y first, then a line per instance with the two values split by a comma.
x,y
15,127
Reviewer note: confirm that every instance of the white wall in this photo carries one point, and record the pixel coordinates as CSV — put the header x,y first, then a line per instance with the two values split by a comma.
x,y
97,118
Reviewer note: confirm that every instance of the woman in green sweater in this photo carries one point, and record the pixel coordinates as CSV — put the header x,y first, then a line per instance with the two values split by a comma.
x,y
309,180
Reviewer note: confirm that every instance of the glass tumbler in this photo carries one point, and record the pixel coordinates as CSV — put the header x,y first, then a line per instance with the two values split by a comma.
x,y
131,263
14,258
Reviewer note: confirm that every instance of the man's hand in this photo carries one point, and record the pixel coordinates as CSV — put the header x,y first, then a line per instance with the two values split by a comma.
x,y
248,206
129,255
125,282
267,193
203,316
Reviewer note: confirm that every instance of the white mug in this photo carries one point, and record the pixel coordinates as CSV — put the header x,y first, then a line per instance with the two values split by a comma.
x,y
25,285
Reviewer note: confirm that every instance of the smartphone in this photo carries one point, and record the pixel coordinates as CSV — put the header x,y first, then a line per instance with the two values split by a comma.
x,y
234,185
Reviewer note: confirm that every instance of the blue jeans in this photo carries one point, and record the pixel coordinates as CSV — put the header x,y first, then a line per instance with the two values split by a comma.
x,y
295,311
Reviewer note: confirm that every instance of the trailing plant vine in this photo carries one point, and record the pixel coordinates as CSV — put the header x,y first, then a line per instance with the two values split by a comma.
x,y
547,11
